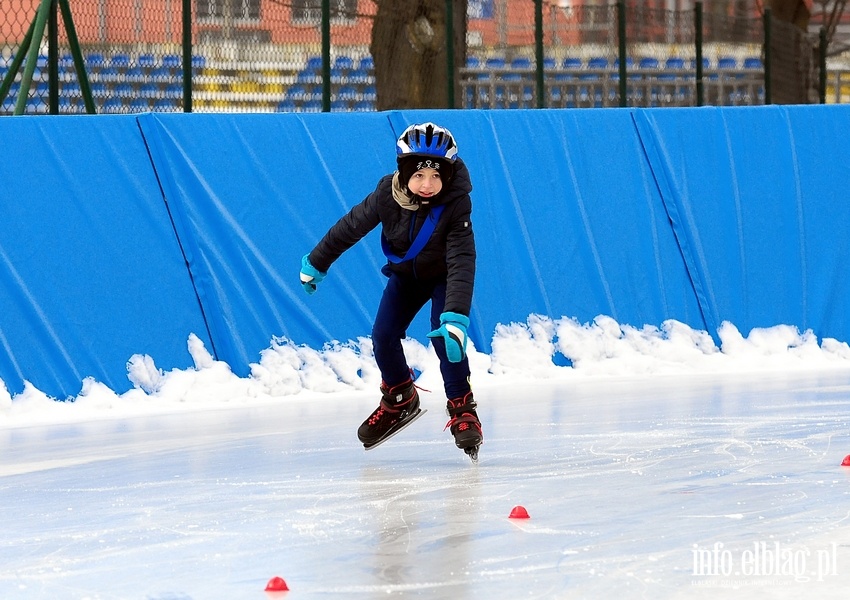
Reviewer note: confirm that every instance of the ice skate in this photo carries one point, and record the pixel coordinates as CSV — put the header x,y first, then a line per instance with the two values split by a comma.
x,y
399,407
464,425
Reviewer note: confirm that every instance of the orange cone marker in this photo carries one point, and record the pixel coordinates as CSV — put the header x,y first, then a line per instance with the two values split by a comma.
x,y
519,512
276,584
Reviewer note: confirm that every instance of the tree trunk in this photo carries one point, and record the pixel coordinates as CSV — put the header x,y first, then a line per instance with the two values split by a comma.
x,y
410,52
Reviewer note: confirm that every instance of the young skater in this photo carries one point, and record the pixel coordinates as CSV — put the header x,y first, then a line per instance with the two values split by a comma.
x,y
424,210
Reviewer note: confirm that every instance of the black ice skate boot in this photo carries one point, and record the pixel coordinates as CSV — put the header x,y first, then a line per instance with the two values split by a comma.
x,y
464,425
399,406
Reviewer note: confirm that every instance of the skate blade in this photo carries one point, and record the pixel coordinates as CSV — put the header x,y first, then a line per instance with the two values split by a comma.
x,y
400,426
472,453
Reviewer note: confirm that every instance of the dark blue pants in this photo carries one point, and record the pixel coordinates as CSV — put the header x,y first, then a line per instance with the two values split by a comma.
x,y
403,298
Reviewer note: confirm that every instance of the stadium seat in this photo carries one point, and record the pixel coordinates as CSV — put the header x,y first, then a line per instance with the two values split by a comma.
x,y
753,62
134,74
286,105
94,61
314,64
124,90
727,62
113,104
343,62
119,61
521,62
312,106
146,61
366,63
161,74
359,77
164,105
495,63
370,93
140,105
347,93
364,106
473,62
171,61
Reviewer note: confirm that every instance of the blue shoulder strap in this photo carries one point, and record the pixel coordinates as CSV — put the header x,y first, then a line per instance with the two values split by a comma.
x,y
421,238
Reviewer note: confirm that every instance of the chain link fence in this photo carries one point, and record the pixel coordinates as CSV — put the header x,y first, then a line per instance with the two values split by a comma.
x,y
269,55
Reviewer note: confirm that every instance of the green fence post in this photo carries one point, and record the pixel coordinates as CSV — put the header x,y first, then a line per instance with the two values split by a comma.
x,y
187,56
822,58
53,59
621,35
450,53
79,63
538,53
768,83
326,56
698,43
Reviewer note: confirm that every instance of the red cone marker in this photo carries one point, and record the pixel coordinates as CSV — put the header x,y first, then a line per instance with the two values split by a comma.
x,y
846,461
276,584
519,512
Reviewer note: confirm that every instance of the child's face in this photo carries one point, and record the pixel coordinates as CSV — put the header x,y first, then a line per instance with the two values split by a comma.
x,y
425,183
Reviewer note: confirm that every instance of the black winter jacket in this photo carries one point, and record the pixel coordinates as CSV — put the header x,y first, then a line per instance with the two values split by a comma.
x,y
449,253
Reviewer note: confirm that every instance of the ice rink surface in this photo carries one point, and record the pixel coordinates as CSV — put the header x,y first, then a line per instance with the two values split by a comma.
x,y
664,487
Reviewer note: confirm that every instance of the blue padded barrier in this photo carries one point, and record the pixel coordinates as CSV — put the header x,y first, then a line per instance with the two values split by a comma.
x,y
755,201
90,268
250,196
702,215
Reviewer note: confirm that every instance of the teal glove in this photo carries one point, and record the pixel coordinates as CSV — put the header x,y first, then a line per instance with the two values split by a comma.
x,y
310,275
453,330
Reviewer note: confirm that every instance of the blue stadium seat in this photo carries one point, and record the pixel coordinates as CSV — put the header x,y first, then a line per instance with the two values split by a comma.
x,y
495,63
473,62
140,105
343,62
340,106
571,63
71,89
164,105
338,75
36,106
199,61
648,62
366,63
296,92
753,62
307,76
286,106
171,61
370,93
98,90
674,62
174,90
94,60
134,74
314,64
119,61
312,106
146,61
359,77
149,90
161,74
124,90
597,62
521,62
364,106
549,63
113,105
727,62
347,93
